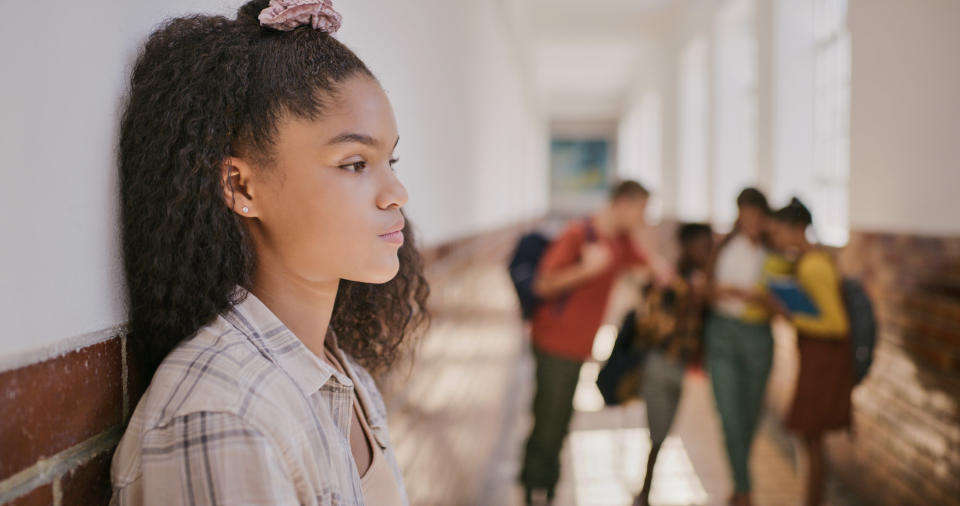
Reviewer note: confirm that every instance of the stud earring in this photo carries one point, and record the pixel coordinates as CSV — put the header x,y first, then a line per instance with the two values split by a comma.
x,y
246,209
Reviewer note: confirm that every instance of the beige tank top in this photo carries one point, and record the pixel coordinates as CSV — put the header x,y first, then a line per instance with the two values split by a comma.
x,y
378,484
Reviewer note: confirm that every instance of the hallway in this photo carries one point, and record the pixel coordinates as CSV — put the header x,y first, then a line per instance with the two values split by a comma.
x,y
460,415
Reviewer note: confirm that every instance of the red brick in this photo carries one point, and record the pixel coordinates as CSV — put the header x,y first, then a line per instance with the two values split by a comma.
x,y
89,484
40,496
933,355
53,405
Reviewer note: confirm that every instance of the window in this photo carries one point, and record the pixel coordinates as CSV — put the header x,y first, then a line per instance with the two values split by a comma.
x,y
735,119
831,128
693,181
638,146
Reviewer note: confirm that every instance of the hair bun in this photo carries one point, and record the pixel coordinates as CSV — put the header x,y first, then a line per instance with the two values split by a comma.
x,y
286,15
801,212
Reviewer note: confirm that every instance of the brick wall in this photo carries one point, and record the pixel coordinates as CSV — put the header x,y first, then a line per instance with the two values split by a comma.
x,y
905,448
61,419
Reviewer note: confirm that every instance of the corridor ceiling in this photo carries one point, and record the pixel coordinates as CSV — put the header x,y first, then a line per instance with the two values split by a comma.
x,y
585,55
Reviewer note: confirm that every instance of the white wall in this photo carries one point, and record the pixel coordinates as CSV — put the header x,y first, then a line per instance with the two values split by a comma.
x,y
473,147
905,116
473,151
63,79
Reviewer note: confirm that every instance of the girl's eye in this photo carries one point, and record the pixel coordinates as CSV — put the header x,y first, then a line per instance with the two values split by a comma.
x,y
393,162
354,167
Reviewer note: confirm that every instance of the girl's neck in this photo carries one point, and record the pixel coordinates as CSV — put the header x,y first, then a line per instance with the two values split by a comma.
x,y
305,307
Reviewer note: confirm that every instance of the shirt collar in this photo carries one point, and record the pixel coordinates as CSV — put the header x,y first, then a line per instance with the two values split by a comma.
x,y
255,320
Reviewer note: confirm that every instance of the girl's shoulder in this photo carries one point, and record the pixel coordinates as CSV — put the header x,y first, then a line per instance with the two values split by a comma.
x,y
214,370
816,262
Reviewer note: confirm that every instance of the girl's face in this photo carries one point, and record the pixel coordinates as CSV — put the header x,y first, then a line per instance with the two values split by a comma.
x,y
329,206
752,221
785,237
698,250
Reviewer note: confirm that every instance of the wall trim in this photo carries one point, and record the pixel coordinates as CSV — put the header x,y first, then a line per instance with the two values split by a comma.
x,y
60,348
49,470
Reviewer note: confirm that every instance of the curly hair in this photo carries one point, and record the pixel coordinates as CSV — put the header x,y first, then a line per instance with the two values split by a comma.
x,y
202,89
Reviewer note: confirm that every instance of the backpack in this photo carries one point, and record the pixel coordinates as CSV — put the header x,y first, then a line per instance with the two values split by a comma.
x,y
524,263
863,326
619,378
523,268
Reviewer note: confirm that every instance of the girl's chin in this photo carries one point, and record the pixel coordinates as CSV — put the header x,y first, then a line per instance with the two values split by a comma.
x,y
380,274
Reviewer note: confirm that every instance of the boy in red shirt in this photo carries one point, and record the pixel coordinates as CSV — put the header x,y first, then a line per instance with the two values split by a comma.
x,y
574,279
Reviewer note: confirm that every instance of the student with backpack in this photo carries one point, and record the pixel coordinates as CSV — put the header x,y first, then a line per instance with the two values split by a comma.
x,y
668,323
822,397
573,281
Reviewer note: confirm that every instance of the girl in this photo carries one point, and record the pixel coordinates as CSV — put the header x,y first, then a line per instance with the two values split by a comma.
x,y
669,323
268,264
822,397
739,341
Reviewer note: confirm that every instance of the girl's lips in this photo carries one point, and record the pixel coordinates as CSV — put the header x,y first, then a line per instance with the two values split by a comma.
x,y
393,237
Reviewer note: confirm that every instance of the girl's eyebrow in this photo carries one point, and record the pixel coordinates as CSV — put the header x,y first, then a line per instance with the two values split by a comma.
x,y
348,137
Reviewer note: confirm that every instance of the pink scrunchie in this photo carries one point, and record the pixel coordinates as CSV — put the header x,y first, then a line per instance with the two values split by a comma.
x,y
285,15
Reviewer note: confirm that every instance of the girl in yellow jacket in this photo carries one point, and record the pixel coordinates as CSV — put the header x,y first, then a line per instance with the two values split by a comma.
x,y
822,398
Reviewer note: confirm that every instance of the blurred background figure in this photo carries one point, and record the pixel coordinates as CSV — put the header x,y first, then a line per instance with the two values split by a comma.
x,y
738,336
520,115
669,322
821,401
574,279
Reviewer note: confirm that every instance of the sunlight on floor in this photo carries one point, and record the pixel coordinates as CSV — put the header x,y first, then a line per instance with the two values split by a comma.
x,y
587,397
608,467
604,341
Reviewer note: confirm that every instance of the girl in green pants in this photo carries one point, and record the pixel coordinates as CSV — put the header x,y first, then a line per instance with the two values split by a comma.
x,y
739,342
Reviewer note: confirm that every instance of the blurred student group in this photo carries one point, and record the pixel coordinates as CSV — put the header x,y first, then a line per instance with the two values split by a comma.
x,y
681,252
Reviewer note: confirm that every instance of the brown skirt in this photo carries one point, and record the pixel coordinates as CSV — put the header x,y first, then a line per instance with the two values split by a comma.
x,y
822,398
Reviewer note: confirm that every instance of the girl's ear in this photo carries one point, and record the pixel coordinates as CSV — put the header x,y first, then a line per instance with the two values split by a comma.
x,y
237,192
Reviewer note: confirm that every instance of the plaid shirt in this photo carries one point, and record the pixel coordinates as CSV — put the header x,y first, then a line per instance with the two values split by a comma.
x,y
671,318
244,413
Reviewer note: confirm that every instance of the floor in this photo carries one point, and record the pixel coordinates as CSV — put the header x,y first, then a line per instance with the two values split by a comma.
x,y
459,415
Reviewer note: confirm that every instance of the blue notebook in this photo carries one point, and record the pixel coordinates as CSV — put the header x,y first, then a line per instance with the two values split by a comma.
x,y
788,292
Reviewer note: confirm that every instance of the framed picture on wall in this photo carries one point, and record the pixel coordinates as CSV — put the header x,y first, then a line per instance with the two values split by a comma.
x,y
579,165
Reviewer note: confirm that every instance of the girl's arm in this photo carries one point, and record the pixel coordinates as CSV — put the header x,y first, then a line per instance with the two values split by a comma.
x,y
818,277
